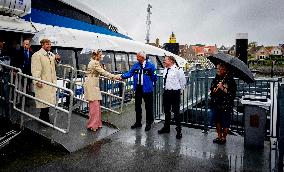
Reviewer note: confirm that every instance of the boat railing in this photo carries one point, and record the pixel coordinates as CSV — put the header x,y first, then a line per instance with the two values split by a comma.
x,y
60,108
195,101
113,93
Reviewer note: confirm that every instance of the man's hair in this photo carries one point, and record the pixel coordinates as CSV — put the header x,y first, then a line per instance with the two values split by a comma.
x,y
142,54
43,41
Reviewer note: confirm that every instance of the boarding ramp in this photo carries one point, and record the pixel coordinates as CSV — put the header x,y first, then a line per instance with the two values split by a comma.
x,y
8,131
60,110
66,128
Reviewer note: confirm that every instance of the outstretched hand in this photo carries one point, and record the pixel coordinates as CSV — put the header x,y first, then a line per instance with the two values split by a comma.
x,y
118,77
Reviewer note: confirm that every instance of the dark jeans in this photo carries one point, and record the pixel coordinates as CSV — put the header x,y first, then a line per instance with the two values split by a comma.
x,y
148,99
171,101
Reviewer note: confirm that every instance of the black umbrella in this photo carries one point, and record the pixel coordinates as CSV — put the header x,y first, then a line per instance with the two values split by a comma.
x,y
236,66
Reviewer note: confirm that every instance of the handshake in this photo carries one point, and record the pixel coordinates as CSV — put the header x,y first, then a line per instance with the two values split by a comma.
x,y
118,77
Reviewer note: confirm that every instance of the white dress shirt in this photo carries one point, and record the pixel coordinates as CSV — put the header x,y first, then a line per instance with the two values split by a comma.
x,y
143,65
175,78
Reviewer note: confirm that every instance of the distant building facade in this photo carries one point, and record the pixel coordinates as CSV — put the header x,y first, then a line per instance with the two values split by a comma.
x,y
187,52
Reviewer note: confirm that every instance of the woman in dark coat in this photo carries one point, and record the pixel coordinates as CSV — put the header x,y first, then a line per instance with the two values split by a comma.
x,y
223,92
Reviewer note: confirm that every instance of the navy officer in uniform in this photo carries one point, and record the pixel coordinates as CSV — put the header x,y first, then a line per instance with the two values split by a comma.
x,y
144,73
174,82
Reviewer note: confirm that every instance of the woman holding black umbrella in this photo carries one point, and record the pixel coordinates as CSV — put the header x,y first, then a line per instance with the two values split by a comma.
x,y
223,92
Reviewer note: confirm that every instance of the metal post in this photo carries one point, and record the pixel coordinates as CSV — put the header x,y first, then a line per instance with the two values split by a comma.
x,y
206,102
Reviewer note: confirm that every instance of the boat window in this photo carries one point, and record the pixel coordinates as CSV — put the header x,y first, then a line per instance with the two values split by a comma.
x,y
62,9
160,62
132,60
83,60
121,62
152,59
108,61
67,57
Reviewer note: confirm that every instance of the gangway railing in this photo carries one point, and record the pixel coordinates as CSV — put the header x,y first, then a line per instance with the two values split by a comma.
x,y
59,90
8,71
7,84
113,92
66,75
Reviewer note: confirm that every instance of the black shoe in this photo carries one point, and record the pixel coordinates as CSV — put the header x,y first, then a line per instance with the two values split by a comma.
x,y
164,130
136,125
148,127
179,136
217,140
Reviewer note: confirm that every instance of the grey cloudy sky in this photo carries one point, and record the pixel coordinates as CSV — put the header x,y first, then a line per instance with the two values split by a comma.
x,y
199,21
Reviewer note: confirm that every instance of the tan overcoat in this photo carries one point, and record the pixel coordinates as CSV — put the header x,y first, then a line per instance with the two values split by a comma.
x,y
43,67
91,84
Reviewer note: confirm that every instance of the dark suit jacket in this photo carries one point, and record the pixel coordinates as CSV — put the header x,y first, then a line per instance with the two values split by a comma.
x,y
19,59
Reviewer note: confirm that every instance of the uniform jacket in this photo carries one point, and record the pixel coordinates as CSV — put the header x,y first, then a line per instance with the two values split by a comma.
x,y
149,76
43,67
91,85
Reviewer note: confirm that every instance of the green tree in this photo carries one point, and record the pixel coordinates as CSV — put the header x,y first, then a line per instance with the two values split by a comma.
x,y
252,44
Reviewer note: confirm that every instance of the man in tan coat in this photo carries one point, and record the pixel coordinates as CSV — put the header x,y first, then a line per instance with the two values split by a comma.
x,y
43,67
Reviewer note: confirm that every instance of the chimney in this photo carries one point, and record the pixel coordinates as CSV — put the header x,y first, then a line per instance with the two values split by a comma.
x,y
157,42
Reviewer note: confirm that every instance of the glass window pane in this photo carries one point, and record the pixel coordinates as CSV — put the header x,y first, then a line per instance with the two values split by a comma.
x,y
132,60
160,62
121,62
108,61
67,58
83,60
152,59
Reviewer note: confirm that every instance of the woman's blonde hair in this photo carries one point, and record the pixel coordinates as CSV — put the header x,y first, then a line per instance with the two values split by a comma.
x,y
95,53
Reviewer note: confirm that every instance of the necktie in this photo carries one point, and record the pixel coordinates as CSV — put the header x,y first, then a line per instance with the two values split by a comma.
x,y
26,57
140,74
165,79
26,53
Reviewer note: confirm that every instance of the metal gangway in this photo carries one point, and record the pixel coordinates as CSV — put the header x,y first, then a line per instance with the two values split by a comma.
x,y
7,85
66,127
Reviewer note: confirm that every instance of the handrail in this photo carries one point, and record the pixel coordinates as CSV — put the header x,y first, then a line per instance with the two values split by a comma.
x,y
103,92
23,93
11,83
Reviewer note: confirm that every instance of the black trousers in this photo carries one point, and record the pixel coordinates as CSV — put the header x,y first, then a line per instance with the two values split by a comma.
x,y
171,101
44,114
148,99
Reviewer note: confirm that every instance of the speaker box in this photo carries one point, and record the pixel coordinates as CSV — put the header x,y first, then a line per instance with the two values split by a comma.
x,y
241,49
172,47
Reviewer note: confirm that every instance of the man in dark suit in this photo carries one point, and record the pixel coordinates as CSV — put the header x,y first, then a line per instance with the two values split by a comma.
x,y
24,56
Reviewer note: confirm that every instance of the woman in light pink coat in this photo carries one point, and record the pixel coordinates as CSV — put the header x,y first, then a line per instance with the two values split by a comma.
x,y
92,90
